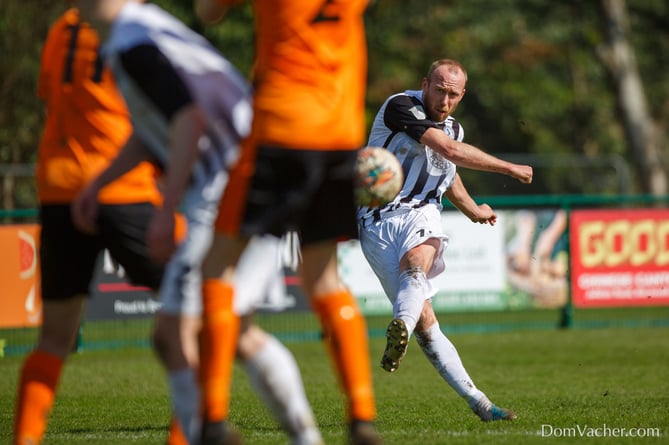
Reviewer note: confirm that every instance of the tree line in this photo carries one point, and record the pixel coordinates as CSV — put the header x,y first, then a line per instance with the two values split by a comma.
x,y
576,88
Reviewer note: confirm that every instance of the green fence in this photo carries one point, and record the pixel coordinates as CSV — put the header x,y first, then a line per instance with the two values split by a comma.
x,y
302,326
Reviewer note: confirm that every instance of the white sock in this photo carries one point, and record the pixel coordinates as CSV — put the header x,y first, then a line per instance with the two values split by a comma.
x,y
444,357
411,297
275,376
185,394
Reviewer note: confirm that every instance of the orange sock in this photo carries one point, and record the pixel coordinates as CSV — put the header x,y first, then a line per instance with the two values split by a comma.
x,y
176,435
218,345
346,333
36,394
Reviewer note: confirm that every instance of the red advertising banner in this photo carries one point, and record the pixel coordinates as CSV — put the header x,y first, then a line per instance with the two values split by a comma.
x,y
619,257
19,275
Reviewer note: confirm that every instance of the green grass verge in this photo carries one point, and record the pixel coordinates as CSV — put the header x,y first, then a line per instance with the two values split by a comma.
x,y
566,381
302,326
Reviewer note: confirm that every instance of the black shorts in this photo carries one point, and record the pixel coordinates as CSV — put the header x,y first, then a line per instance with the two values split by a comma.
x,y
68,256
310,191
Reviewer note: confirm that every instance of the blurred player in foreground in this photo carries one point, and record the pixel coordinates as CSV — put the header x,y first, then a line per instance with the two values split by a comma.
x,y
86,125
190,108
296,171
404,241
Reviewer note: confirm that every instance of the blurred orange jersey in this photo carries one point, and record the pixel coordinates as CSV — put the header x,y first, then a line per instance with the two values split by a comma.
x,y
310,73
87,122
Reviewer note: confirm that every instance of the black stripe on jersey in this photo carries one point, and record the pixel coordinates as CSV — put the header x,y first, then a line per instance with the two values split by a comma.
x,y
390,138
155,75
99,67
71,49
418,186
406,165
400,117
432,194
456,130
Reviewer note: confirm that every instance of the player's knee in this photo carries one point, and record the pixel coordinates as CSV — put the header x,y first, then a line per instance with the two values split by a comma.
x,y
251,339
415,275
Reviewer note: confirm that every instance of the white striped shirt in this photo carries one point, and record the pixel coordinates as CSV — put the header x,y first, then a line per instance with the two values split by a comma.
x,y
399,124
182,68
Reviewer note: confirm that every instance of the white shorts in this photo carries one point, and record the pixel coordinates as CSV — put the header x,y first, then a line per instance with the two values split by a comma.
x,y
181,288
259,274
386,241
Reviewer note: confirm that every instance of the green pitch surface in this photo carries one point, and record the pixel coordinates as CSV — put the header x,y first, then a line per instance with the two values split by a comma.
x,y
566,387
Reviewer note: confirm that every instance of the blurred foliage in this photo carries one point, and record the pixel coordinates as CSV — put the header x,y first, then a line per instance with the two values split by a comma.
x,y
537,90
535,85
21,114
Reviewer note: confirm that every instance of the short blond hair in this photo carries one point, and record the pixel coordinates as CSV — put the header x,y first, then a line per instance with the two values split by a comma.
x,y
453,65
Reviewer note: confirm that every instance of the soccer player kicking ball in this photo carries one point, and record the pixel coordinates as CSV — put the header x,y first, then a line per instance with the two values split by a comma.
x,y
404,242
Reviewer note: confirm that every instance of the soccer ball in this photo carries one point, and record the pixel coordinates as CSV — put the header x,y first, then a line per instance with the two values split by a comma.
x,y
378,177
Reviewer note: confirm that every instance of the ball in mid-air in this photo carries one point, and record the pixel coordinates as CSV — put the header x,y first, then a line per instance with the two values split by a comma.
x,y
378,177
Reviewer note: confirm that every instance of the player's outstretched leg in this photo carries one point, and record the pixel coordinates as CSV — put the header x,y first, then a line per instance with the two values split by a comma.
x,y
446,360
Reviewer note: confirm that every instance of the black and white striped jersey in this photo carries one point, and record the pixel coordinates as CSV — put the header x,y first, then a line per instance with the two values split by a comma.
x,y
399,124
160,66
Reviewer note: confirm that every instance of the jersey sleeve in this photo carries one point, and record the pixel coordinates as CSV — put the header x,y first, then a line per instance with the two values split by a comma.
x,y
156,76
406,114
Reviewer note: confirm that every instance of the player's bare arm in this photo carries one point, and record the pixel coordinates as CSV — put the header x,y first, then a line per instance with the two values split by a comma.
x,y
186,128
458,195
468,156
133,152
85,205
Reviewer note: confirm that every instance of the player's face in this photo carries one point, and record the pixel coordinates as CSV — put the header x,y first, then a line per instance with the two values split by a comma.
x,y
443,92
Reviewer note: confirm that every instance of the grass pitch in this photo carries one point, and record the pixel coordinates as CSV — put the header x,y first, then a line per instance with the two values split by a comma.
x,y
567,386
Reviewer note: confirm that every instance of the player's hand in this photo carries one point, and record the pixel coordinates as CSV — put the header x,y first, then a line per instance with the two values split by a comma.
x,y
523,173
485,215
85,208
160,237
